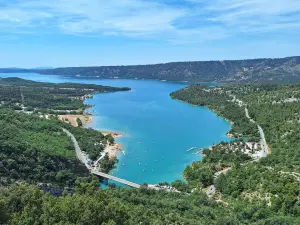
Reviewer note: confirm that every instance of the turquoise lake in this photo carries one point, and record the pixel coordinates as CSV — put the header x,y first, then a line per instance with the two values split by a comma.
x,y
158,129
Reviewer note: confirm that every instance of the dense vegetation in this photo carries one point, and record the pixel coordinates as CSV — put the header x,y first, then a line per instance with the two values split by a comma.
x,y
34,150
29,205
51,98
216,159
281,70
22,204
274,180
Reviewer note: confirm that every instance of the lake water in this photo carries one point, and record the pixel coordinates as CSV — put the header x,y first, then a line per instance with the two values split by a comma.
x,y
158,129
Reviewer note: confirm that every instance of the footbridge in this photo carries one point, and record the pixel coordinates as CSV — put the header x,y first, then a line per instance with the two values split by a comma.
x,y
105,175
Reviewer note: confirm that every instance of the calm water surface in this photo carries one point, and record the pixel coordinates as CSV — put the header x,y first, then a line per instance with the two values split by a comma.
x,y
158,129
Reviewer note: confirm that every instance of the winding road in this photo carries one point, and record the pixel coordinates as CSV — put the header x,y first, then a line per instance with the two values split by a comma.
x,y
263,142
84,159
80,155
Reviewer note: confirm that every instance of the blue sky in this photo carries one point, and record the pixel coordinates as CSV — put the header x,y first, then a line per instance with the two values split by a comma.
x,y
59,33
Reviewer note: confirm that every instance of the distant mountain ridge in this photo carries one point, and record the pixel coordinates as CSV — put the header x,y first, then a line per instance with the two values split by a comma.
x,y
277,70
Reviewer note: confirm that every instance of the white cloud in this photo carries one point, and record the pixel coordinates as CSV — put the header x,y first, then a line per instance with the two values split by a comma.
x,y
256,15
192,21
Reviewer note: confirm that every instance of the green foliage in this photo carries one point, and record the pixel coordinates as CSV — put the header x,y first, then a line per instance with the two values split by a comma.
x,y
110,139
272,183
47,97
79,122
90,205
35,150
107,164
90,141
29,205
181,186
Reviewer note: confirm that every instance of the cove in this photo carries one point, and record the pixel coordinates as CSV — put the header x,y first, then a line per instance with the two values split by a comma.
x,y
158,129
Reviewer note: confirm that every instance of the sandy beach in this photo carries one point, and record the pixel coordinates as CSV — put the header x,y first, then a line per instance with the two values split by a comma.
x,y
113,149
86,119
112,133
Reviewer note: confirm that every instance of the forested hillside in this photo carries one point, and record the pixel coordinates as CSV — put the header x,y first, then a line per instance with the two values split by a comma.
x,y
280,70
42,182
21,94
273,181
36,150
91,205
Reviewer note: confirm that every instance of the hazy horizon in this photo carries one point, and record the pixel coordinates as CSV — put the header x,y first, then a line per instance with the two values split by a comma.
x,y
51,67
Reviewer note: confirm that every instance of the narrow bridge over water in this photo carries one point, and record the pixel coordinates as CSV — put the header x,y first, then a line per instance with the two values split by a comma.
x,y
84,159
129,183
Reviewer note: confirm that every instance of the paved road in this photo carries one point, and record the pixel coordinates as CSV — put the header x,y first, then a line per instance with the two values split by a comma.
x,y
264,145
263,141
80,155
84,159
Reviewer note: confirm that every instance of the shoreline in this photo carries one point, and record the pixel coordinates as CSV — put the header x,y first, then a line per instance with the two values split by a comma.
x,y
112,150
114,134
85,119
